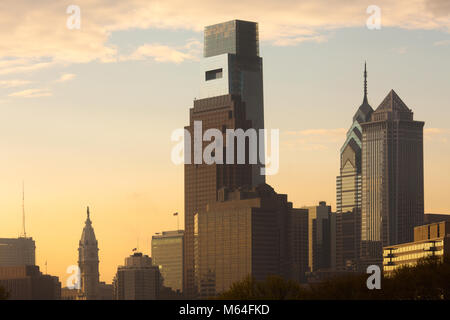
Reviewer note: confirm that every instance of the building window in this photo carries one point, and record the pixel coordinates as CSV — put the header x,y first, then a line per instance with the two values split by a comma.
x,y
213,74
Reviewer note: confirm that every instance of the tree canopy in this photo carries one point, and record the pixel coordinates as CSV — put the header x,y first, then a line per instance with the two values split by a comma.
x,y
429,279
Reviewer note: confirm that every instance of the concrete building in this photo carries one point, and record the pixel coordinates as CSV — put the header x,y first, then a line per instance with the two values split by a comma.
x,y
392,178
17,252
167,254
138,279
321,237
248,232
231,97
28,283
88,261
429,240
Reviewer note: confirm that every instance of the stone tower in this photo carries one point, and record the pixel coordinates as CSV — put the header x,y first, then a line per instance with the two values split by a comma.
x,y
88,261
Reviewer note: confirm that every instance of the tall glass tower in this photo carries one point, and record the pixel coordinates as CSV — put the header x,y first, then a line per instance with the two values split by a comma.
x,y
230,97
349,190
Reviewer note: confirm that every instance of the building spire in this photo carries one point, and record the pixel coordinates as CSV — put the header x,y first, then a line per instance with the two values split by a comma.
x,y
24,233
88,217
365,83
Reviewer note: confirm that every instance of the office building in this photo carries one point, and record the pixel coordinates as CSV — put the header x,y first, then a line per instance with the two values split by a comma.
x,y
349,190
392,177
231,97
88,261
138,279
321,237
167,254
248,232
429,218
17,252
26,282
429,240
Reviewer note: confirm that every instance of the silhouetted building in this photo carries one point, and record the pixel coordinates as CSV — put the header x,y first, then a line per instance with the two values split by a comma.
x,y
392,177
28,283
231,97
17,252
248,232
429,240
138,279
321,237
349,190
167,254
88,261
435,217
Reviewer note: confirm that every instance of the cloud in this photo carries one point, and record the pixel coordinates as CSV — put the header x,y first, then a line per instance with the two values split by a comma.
x,y
442,42
66,77
35,36
13,83
31,93
164,53
314,139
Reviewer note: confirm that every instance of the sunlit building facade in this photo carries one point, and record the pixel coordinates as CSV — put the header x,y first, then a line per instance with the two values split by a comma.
x,y
429,240
167,255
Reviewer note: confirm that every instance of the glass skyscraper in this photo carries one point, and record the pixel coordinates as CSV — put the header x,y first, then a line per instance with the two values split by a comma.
x,y
349,190
230,97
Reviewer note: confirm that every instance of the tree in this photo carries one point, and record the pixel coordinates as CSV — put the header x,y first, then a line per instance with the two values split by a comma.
x,y
3,294
429,279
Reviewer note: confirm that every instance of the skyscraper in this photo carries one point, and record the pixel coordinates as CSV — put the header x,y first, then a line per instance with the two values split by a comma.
x,y
88,261
392,176
231,97
138,279
17,252
349,190
167,254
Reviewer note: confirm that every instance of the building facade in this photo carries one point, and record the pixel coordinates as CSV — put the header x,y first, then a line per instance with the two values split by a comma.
x,y
349,190
392,177
17,252
26,282
429,240
248,232
168,255
321,237
88,261
231,97
138,279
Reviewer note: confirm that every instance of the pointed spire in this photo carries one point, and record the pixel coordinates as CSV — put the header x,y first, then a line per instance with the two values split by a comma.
x,y
88,214
365,82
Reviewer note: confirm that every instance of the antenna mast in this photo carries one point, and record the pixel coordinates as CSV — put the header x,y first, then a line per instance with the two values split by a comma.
x,y
24,234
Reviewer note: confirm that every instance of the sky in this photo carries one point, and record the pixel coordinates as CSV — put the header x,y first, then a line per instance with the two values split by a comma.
x,y
86,115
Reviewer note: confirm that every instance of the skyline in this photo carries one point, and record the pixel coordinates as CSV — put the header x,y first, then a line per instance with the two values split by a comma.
x,y
71,156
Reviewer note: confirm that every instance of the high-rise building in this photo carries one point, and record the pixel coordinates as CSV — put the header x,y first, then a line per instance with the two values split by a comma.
x,y
435,217
88,261
248,232
26,282
321,237
17,252
138,279
392,177
349,190
231,97
167,254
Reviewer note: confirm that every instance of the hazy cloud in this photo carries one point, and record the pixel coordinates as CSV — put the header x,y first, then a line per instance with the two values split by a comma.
x,y
66,77
31,93
34,33
13,83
